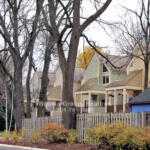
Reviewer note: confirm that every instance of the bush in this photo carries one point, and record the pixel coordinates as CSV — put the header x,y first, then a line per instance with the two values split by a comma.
x,y
72,136
16,136
5,136
36,137
13,136
119,136
55,133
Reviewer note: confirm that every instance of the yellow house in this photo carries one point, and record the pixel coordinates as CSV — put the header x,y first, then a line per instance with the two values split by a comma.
x,y
118,94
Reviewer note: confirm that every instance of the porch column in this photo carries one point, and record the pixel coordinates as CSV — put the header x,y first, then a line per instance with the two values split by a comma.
x,y
115,101
106,101
81,103
124,100
89,103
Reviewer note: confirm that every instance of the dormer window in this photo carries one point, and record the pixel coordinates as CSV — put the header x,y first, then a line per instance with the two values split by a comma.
x,y
105,68
105,75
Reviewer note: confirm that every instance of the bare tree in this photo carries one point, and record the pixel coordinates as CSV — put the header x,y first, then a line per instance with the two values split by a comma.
x,y
134,35
31,66
49,51
19,45
64,24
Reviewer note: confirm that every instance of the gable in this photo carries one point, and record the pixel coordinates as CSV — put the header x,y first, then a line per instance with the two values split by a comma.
x,y
92,71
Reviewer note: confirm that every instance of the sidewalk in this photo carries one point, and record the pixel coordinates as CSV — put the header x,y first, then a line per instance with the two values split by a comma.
x,y
14,147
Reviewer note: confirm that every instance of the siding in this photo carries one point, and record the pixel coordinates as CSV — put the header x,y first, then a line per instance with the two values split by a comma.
x,y
92,70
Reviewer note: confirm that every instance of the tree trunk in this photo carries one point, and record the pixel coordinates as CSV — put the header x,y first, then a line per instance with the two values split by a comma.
x,y
68,108
45,78
18,96
28,90
146,71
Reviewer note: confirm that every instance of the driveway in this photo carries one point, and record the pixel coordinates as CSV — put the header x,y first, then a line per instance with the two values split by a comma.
x,y
11,147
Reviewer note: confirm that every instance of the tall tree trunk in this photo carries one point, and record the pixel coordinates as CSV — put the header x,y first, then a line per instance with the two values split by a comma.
x,y
146,71
18,95
69,111
45,77
28,90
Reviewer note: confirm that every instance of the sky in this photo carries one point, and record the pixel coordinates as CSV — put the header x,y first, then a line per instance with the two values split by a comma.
x,y
115,12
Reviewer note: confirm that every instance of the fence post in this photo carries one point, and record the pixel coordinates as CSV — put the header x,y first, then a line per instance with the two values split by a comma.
x,y
143,119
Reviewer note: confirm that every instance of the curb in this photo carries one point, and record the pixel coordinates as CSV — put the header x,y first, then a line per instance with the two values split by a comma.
x,y
21,147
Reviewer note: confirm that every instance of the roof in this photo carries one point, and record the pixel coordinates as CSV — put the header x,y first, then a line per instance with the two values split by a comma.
x,y
54,93
142,98
92,84
51,76
133,79
120,62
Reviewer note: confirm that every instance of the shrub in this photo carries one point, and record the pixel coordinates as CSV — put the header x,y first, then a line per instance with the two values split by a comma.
x,y
72,136
55,133
100,132
5,136
36,137
13,136
119,135
16,136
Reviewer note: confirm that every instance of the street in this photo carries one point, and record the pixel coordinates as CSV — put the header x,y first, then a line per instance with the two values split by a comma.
x,y
10,147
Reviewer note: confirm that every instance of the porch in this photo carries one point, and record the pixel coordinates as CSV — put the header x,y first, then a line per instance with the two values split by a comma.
x,y
90,101
117,98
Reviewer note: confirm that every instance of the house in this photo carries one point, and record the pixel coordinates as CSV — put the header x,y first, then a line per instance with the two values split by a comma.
x,y
98,85
55,92
97,76
141,103
118,94
35,89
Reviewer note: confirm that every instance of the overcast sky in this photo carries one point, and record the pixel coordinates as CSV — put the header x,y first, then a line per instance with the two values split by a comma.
x,y
114,13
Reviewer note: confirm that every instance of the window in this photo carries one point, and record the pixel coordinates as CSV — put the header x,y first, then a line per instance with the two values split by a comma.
x,y
105,79
103,103
104,68
85,104
105,74
94,97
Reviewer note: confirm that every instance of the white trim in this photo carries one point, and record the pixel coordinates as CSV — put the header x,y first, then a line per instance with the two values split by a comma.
x,y
124,87
124,100
92,92
115,100
20,147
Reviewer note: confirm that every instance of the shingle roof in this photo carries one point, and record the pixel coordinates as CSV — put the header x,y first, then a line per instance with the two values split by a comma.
x,y
133,79
118,61
54,93
92,84
142,98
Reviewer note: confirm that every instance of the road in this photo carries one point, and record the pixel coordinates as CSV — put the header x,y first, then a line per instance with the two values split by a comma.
x,y
9,147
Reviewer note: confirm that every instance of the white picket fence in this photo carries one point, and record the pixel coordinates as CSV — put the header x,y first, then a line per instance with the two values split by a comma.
x,y
85,121
36,124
